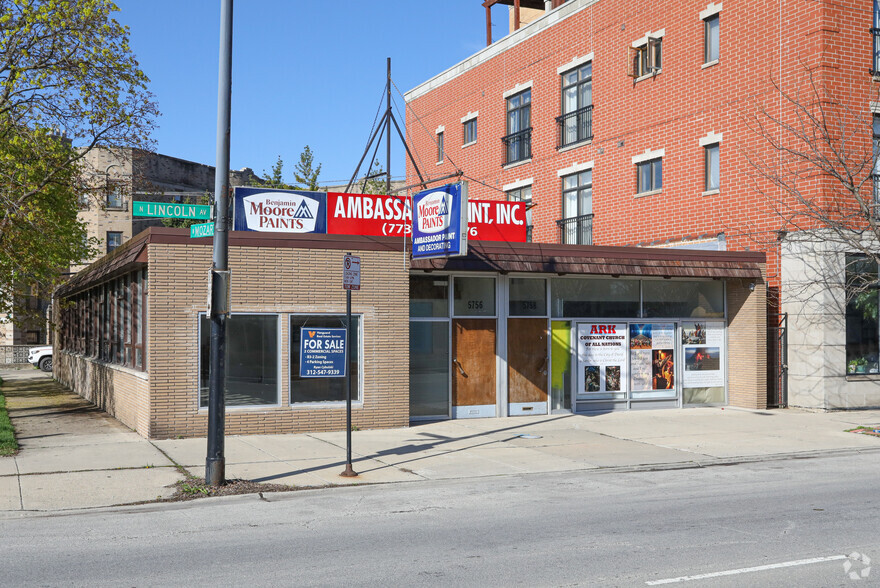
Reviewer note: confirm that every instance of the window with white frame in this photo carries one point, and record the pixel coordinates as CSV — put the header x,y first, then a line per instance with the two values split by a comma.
x,y
576,225
439,146
711,29
252,357
518,141
712,167
305,390
649,171
875,176
523,194
469,131
646,55
576,122
114,240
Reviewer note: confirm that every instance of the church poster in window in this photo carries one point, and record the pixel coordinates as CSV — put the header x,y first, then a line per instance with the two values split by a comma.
x,y
601,357
702,343
652,357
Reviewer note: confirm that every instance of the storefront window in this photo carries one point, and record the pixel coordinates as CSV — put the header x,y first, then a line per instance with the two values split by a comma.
x,y
251,359
428,369
652,360
667,298
474,297
584,297
323,389
528,297
862,328
428,296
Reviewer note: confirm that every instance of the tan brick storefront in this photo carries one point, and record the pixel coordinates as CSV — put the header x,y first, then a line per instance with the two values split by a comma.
x,y
129,337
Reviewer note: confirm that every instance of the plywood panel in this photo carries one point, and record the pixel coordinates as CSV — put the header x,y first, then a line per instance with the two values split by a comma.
x,y
527,360
473,377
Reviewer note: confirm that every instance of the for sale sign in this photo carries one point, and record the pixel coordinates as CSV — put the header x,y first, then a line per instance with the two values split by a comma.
x,y
322,353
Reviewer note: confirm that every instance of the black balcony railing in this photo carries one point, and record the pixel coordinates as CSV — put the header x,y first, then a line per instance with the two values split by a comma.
x,y
517,146
875,56
575,127
577,230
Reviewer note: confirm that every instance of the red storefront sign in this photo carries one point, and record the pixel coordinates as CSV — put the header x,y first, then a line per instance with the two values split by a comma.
x,y
377,215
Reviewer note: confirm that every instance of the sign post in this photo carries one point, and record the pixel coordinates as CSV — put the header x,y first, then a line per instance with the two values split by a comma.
x,y
351,280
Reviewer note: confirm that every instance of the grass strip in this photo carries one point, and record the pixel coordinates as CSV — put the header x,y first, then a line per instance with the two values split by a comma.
x,y
8,444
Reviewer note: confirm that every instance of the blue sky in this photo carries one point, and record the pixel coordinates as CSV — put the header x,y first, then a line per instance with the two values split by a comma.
x,y
305,72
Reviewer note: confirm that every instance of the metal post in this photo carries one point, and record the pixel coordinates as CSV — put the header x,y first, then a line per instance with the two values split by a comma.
x,y
215,462
349,471
388,133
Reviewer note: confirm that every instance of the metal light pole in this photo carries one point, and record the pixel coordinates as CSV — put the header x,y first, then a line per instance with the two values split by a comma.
x,y
215,463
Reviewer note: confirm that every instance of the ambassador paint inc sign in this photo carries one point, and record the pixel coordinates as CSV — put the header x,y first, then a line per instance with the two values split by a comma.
x,y
280,211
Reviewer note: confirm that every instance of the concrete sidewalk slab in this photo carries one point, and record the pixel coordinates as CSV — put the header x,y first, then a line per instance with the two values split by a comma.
x,y
96,488
104,456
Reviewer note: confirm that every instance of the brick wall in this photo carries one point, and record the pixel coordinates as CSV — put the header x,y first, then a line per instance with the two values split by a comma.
x,y
122,392
670,111
747,344
284,281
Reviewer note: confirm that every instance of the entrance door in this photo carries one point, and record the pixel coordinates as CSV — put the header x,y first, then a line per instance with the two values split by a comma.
x,y
473,368
528,362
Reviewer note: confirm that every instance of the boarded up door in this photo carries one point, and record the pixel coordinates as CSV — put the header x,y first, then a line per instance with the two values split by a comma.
x,y
527,365
473,368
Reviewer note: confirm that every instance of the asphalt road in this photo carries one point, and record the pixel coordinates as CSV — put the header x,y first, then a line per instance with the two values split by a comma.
x,y
795,520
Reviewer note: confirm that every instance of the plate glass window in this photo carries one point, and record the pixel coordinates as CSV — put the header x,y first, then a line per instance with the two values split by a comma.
x,y
576,122
251,359
712,167
524,194
576,226
470,131
474,296
862,325
323,389
711,28
528,297
518,142
649,175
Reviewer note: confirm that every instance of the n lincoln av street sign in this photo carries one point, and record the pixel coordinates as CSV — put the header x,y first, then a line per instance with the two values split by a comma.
x,y
170,210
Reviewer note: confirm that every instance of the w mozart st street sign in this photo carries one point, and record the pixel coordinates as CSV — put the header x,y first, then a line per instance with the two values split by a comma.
x,y
169,210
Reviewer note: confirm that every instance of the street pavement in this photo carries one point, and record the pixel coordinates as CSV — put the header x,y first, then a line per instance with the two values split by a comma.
x,y
75,456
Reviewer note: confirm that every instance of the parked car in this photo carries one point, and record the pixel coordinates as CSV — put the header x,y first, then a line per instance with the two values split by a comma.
x,y
41,357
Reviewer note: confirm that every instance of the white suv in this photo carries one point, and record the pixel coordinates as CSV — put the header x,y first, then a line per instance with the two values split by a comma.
x,y
41,357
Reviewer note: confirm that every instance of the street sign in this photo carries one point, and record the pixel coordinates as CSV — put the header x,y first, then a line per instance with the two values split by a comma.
x,y
171,210
351,273
322,353
201,230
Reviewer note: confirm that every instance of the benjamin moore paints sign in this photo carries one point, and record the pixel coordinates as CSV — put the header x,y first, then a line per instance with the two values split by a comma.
x,y
440,222
280,211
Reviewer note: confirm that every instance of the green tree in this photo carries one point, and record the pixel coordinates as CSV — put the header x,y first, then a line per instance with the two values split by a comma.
x,y
275,178
376,182
305,174
185,223
69,82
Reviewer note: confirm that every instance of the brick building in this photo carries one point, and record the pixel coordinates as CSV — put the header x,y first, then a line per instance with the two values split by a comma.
x,y
495,333
634,124
120,175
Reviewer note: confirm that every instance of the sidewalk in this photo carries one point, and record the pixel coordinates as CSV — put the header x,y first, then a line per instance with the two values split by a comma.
x,y
75,456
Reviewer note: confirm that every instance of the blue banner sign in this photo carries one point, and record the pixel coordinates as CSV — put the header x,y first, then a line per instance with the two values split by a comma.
x,y
440,223
280,211
322,353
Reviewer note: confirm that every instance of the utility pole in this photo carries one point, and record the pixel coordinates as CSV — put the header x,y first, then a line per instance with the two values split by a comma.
x,y
215,462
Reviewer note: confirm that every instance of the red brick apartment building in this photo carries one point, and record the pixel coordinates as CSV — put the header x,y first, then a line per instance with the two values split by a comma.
x,y
637,124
